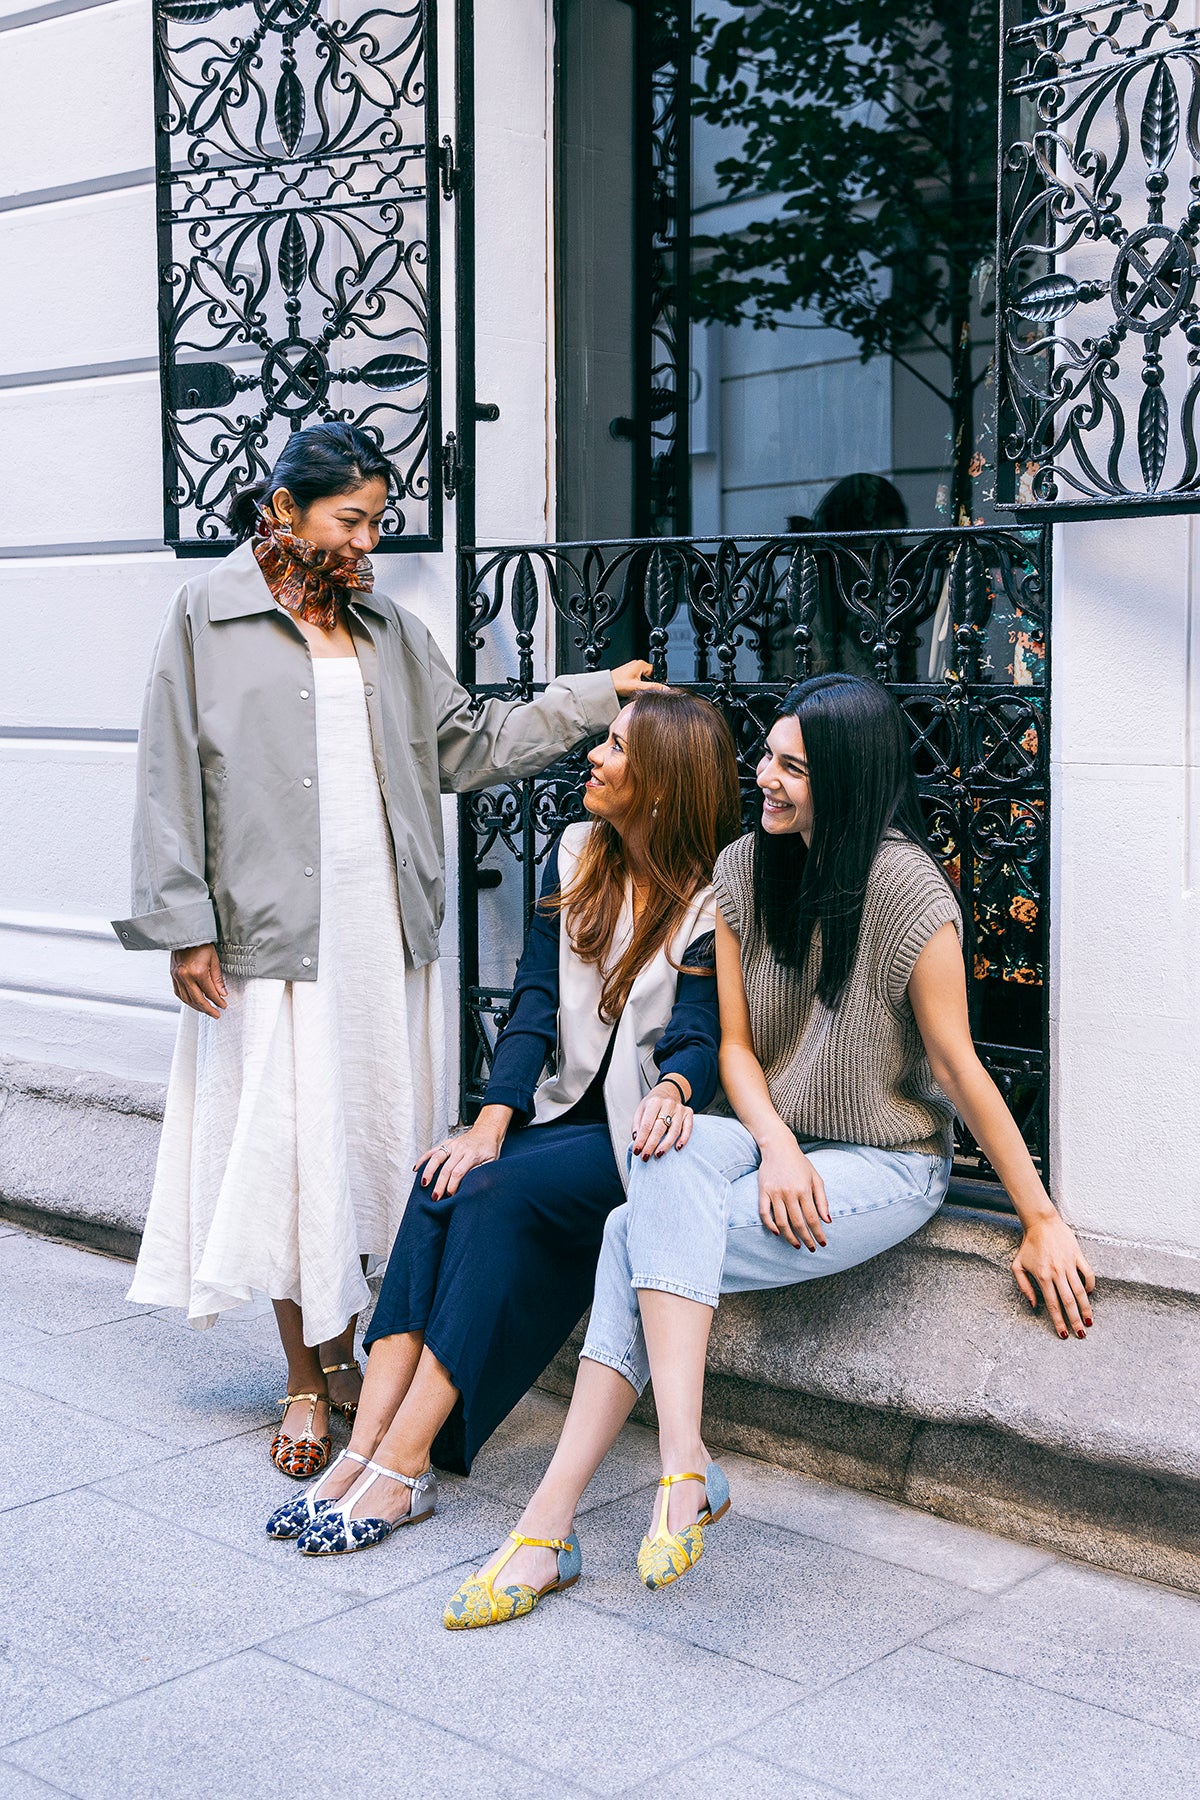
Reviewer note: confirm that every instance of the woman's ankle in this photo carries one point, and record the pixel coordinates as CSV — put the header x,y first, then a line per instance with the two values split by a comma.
x,y
683,1457
546,1519
304,1382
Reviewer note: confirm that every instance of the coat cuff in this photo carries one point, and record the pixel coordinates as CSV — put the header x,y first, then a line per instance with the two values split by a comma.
x,y
595,696
172,928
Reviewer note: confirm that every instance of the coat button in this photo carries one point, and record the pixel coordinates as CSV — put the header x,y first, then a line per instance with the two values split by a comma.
x,y
368,689
308,781
308,871
304,693
306,962
404,862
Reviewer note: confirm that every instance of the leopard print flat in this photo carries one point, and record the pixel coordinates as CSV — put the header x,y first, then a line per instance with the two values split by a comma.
x,y
304,1456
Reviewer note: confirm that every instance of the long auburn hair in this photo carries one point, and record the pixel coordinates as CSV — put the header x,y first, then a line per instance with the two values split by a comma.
x,y
684,809
860,774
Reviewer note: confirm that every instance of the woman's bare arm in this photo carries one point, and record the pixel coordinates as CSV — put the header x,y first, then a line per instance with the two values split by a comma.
x,y
791,1194
1049,1254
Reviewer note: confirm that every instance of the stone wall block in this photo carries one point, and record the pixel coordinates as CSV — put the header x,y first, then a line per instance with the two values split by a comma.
x,y
77,1152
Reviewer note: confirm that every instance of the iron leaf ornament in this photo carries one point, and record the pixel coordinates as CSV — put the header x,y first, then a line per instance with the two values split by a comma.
x,y
1098,321
296,157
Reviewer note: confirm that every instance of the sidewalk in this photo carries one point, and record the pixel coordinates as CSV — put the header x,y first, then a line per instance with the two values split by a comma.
x,y
154,1642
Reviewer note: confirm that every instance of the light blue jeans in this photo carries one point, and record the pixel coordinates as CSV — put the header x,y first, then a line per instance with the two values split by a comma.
x,y
691,1226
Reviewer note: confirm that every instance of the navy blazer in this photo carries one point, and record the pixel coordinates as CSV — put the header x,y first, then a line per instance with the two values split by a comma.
x,y
687,1047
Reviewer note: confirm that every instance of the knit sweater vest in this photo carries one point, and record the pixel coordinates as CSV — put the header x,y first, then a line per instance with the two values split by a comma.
x,y
858,1074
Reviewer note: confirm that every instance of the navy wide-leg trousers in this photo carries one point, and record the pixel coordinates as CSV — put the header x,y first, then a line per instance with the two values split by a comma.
x,y
498,1274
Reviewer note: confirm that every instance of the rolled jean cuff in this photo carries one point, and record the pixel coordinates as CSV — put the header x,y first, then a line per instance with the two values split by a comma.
x,y
659,1286
636,1380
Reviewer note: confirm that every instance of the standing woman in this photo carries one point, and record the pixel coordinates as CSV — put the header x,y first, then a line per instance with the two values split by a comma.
x,y
845,1054
297,732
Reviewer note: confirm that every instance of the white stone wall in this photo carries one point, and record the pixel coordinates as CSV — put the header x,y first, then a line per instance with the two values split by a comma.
x,y
1125,920
82,584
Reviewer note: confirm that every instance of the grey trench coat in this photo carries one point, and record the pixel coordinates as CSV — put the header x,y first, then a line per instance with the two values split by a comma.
x,y
226,840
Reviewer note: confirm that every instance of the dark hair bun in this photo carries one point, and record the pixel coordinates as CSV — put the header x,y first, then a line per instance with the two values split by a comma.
x,y
314,464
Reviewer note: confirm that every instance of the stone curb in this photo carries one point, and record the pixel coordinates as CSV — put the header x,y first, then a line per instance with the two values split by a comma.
x,y
921,1375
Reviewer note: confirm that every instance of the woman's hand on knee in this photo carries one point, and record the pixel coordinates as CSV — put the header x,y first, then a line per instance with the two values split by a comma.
x,y
447,1163
662,1121
791,1195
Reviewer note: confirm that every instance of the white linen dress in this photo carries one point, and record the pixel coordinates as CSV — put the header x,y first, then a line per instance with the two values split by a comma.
x,y
293,1120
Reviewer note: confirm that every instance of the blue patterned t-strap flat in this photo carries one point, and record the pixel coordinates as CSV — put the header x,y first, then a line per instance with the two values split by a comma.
x,y
294,1516
333,1533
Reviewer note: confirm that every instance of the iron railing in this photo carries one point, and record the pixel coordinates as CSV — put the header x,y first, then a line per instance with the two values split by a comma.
x,y
1098,314
298,172
953,621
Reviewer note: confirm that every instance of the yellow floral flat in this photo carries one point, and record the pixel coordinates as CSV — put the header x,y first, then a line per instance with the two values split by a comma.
x,y
667,1555
477,1602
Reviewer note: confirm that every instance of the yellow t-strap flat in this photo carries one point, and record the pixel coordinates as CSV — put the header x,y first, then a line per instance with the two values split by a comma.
x,y
666,1555
477,1603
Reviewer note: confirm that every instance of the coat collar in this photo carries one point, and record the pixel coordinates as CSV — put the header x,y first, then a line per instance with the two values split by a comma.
x,y
236,589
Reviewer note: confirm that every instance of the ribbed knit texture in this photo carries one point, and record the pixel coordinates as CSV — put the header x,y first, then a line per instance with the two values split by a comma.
x,y
859,1074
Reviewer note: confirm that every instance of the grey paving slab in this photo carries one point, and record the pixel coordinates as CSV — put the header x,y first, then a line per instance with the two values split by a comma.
x,y
59,1288
228,1490
121,1600
766,1596
34,1693
1126,1645
922,1727
226,1730
514,1459
188,1387
15,1784
729,1771
50,1447
19,1334
897,1534
588,1696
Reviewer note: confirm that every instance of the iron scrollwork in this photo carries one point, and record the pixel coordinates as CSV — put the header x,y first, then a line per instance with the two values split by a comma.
x,y
664,252
297,169
1099,311
953,621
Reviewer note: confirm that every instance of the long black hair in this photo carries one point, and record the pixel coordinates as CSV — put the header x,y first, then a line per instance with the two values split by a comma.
x,y
313,464
860,775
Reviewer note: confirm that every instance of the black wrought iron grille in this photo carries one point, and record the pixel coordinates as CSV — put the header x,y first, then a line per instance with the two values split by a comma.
x,y
297,171
1099,317
955,622
662,350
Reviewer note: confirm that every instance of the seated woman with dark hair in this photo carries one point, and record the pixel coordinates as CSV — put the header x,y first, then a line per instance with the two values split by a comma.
x,y
496,1255
845,1053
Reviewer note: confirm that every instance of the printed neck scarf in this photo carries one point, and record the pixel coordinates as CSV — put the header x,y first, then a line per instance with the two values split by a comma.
x,y
313,584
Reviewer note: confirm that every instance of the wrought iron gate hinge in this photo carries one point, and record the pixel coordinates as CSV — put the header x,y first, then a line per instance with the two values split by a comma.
x,y
452,466
451,174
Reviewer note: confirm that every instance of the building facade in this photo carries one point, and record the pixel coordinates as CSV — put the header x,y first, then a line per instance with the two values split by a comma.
x,y
507,194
